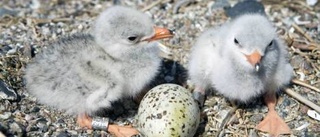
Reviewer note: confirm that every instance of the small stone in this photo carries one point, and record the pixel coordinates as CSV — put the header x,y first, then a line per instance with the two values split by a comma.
x,y
63,134
247,6
42,126
311,2
60,121
6,11
73,132
7,92
89,131
253,133
5,115
17,128
35,4
256,118
35,109
31,128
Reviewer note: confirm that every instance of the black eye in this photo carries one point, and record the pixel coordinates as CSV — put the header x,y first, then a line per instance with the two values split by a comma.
x,y
132,38
270,44
236,41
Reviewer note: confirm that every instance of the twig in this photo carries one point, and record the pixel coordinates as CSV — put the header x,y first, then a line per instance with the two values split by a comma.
x,y
302,32
227,118
179,4
302,99
315,67
306,56
151,5
301,83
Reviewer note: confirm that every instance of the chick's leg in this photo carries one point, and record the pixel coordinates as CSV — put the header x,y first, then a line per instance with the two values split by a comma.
x,y
84,121
199,95
120,131
273,123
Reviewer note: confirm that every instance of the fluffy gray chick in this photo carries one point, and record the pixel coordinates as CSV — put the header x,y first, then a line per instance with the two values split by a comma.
x,y
83,73
242,59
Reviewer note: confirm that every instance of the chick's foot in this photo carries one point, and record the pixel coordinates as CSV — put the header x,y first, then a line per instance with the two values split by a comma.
x,y
85,121
273,123
122,131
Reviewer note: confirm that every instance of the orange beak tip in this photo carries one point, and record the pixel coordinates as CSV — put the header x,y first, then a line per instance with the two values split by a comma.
x,y
254,59
162,33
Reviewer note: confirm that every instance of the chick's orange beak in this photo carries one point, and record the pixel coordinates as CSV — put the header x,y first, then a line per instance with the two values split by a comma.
x,y
254,58
161,33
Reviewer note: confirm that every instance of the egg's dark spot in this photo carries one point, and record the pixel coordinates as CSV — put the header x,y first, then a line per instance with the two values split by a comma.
x,y
164,112
148,117
159,116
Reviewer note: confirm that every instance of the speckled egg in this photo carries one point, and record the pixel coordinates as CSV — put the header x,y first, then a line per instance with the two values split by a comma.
x,y
168,110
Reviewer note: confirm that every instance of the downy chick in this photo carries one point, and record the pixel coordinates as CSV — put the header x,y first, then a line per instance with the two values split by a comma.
x,y
243,59
83,73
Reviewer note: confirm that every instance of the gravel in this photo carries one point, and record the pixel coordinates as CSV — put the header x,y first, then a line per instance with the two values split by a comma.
x,y
27,26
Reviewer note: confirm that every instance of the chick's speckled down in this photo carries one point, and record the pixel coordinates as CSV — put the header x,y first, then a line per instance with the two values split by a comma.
x,y
168,110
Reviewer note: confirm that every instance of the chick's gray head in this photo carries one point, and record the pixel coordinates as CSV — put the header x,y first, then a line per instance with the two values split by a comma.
x,y
252,40
125,28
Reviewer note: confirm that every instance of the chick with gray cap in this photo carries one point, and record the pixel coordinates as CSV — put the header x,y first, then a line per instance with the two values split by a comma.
x,y
83,73
242,60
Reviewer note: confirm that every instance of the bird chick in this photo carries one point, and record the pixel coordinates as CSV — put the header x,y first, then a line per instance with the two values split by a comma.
x,y
242,59
85,72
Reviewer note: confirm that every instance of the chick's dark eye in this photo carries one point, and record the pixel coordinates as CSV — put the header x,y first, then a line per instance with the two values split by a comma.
x,y
132,38
236,41
270,44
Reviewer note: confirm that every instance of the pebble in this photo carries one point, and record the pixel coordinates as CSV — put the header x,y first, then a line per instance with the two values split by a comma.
x,y
311,2
5,115
6,11
253,133
6,92
63,134
256,118
17,128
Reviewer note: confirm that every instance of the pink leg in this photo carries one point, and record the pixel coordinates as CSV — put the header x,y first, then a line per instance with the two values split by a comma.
x,y
273,123
120,131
